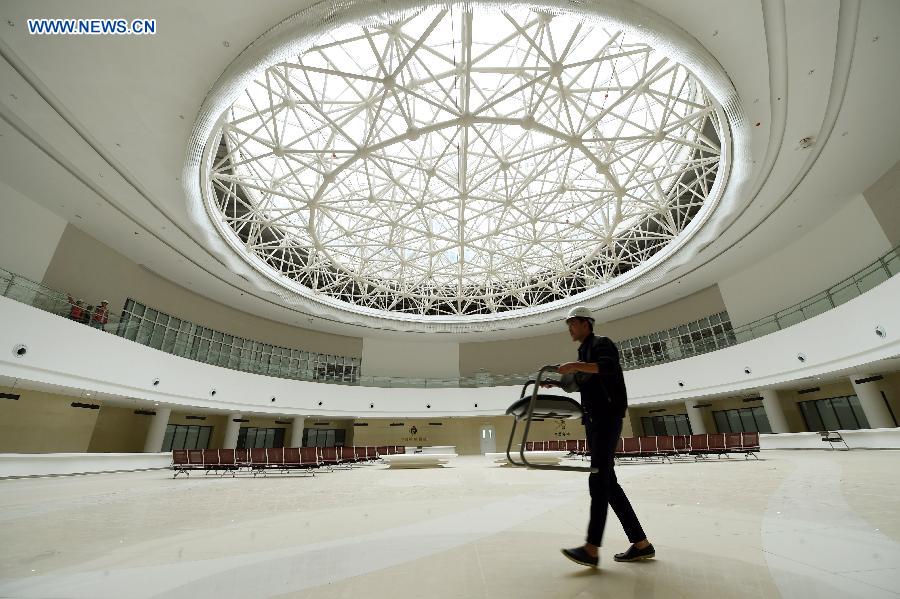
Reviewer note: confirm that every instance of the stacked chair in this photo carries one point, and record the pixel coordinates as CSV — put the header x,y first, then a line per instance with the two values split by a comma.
x,y
256,461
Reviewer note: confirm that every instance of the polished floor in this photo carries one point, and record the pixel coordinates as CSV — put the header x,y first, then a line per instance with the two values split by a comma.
x,y
794,524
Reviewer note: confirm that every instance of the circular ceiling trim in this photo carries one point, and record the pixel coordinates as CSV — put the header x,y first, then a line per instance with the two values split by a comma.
x,y
283,41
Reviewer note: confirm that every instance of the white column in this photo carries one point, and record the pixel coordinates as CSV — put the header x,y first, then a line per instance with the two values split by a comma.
x,y
695,415
297,431
774,411
873,404
153,442
232,429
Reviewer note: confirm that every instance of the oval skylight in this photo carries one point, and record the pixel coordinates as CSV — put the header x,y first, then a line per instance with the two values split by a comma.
x,y
454,162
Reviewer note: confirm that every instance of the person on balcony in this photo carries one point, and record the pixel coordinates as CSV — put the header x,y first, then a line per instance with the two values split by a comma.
x,y
76,309
100,316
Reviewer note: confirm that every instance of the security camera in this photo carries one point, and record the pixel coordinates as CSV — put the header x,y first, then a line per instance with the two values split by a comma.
x,y
681,383
20,350
273,399
801,357
371,405
880,332
213,392
156,383
747,370
428,406
320,403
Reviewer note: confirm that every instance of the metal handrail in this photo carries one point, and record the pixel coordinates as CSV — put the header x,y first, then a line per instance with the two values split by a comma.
x,y
886,266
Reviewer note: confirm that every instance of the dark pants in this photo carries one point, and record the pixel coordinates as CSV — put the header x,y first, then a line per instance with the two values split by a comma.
x,y
602,438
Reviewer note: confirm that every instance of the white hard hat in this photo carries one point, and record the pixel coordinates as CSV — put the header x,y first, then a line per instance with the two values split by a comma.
x,y
579,312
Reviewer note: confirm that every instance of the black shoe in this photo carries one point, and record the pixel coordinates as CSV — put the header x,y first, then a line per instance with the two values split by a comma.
x,y
580,556
634,554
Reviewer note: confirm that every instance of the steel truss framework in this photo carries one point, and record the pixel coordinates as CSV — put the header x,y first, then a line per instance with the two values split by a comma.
x,y
465,162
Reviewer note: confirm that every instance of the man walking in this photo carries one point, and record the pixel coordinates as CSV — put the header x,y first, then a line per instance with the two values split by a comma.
x,y
604,400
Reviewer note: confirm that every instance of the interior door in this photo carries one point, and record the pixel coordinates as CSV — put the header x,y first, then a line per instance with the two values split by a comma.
x,y
488,443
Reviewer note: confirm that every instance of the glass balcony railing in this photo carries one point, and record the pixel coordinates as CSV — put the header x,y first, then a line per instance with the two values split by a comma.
x,y
170,334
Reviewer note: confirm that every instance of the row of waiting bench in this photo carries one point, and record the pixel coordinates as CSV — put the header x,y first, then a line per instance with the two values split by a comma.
x,y
283,459
663,447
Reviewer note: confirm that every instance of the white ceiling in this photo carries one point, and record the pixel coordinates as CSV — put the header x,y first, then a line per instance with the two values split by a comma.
x,y
98,126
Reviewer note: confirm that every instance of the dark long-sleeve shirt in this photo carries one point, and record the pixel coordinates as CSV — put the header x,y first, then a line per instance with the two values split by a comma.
x,y
602,394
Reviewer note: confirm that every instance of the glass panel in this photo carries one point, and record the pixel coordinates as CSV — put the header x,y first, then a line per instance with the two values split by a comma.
x,y
329,438
250,440
721,422
683,424
131,329
734,421
764,327
646,425
168,345
762,420
203,440
180,435
869,278
234,358
893,263
214,351
270,438
339,436
858,411
671,428
156,339
190,441
747,421
203,350
279,438
816,306
659,425
845,416
811,416
845,292
143,335
827,414
790,318
167,439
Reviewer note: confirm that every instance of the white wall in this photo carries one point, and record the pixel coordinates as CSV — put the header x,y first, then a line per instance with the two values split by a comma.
x,y
65,353
390,357
29,234
837,248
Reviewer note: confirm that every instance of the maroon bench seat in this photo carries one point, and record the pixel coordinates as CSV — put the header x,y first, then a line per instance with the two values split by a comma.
x,y
258,460
329,456
665,446
699,445
649,446
716,443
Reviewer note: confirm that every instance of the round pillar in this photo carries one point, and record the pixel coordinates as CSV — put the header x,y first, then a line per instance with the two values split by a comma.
x,y
695,416
873,404
156,434
232,429
297,431
774,411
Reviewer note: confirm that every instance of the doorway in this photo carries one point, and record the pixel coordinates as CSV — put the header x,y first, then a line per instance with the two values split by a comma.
x,y
488,443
